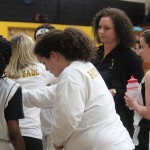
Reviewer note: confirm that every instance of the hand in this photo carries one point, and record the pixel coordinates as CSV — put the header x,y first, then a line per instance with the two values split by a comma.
x,y
113,92
131,102
58,147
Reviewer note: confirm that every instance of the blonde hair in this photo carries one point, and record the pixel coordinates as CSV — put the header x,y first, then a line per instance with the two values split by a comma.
x,y
22,55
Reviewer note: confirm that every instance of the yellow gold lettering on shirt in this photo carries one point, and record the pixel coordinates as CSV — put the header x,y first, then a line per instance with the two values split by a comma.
x,y
35,72
93,72
23,74
30,73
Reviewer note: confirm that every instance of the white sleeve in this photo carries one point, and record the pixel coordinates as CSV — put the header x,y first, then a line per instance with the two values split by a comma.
x,y
41,98
68,110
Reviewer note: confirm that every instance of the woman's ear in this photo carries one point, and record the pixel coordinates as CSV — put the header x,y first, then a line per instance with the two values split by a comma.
x,y
54,55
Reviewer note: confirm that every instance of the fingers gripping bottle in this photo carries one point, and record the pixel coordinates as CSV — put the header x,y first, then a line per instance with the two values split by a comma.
x,y
132,87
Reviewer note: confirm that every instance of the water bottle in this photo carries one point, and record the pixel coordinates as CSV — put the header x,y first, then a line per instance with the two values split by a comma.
x,y
132,87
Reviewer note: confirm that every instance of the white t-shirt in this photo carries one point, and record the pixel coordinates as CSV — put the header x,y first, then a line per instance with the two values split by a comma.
x,y
33,77
84,111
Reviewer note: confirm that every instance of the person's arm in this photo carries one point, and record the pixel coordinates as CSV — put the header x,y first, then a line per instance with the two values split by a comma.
x,y
15,135
41,98
13,112
68,110
133,103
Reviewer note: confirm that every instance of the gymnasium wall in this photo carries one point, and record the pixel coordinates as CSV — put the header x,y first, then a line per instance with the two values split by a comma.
x,y
8,29
75,12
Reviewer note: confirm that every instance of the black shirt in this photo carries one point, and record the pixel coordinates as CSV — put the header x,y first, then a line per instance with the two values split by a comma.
x,y
116,68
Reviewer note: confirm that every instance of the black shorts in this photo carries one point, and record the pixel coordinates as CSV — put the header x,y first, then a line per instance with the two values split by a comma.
x,y
33,143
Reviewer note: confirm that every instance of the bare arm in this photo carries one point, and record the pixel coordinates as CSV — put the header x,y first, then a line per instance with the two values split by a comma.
x,y
15,135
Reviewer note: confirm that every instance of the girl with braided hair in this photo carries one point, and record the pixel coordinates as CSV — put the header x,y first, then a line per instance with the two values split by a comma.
x,y
10,101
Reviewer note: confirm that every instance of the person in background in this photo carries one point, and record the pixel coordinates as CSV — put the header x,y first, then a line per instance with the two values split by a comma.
x,y
84,112
39,17
46,113
136,46
40,30
10,103
115,60
25,70
141,104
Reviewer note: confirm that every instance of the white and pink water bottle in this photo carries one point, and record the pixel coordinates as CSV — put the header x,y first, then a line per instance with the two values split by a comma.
x,y
132,87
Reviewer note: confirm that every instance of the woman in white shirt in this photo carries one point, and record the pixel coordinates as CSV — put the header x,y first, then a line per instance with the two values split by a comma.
x,y
27,71
84,110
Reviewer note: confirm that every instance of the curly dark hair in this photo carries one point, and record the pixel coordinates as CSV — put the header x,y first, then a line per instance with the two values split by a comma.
x,y
122,24
71,43
146,36
43,26
5,54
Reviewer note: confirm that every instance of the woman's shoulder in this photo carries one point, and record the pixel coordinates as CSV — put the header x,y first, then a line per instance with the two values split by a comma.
x,y
147,78
76,70
125,49
128,52
147,74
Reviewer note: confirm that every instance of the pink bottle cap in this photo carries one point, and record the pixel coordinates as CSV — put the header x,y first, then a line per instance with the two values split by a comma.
x,y
132,80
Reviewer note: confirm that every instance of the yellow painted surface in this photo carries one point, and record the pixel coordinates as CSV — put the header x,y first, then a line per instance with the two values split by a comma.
x,y
8,29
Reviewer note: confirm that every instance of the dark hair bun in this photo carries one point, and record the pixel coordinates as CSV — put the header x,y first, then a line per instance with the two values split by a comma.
x,y
5,53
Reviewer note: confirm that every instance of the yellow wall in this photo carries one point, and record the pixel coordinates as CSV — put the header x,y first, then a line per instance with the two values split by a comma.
x,y
8,29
